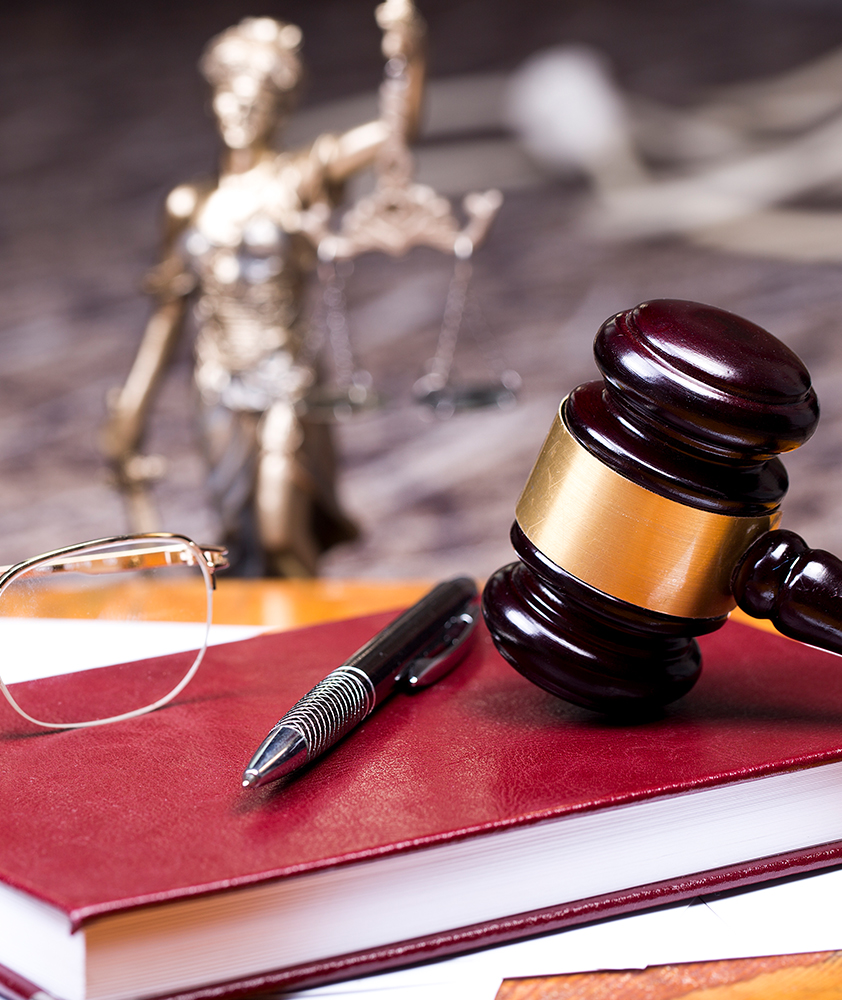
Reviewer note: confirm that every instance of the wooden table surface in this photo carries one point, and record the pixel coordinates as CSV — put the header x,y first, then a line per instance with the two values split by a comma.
x,y
286,604
292,603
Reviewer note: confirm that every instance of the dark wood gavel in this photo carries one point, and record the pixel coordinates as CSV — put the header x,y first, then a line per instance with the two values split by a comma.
x,y
653,510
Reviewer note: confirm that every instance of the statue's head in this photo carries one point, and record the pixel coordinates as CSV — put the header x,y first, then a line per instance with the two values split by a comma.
x,y
254,71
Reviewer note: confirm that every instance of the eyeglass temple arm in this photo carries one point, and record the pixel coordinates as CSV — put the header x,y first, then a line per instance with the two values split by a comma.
x,y
216,557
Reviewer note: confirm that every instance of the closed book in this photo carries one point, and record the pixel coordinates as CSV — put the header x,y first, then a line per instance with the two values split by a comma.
x,y
133,863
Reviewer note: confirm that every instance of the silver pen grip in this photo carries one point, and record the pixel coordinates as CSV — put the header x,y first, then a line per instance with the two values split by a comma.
x,y
331,709
415,650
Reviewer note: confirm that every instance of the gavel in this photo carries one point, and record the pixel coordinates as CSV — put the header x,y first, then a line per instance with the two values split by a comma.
x,y
652,511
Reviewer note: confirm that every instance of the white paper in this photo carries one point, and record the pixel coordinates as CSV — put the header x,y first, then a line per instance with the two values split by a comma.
x,y
796,915
30,646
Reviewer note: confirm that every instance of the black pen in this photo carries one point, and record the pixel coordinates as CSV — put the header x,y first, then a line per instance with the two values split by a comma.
x,y
414,651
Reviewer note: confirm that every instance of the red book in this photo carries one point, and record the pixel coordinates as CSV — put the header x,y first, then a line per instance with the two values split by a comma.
x,y
133,863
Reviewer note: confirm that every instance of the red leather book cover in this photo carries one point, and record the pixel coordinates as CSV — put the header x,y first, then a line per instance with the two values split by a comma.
x,y
481,751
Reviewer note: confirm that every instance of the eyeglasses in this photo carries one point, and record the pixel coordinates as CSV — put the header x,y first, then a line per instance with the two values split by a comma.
x,y
105,630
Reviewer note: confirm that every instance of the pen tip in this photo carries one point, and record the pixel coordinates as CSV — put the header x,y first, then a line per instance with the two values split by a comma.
x,y
282,751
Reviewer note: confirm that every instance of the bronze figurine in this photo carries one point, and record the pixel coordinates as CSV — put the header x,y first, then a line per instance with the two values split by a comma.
x,y
239,250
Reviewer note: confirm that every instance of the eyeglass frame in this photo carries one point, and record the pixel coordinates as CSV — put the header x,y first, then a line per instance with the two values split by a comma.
x,y
208,558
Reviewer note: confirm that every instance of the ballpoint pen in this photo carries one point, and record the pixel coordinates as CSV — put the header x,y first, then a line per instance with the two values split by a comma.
x,y
412,652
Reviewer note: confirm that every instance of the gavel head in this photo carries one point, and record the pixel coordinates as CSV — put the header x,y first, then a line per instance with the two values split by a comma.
x,y
650,489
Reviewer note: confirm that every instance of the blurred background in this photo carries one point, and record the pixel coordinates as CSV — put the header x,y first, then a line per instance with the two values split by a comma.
x,y
103,112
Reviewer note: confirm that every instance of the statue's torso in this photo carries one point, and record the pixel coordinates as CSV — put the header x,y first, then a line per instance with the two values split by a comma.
x,y
244,247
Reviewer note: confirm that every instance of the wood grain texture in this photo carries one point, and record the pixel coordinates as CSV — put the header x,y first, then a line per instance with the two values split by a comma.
x,y
284,604
815,976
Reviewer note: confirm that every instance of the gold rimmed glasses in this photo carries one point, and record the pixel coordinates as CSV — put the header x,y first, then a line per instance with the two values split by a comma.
x,y
105,630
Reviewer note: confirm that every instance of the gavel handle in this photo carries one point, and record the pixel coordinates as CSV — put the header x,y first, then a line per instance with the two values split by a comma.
x,y
797,588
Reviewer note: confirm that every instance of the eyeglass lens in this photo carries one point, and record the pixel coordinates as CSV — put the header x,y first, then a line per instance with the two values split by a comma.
x,y
105,631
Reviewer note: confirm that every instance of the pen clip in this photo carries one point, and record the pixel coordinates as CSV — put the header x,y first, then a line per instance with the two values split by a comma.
x,y
450,647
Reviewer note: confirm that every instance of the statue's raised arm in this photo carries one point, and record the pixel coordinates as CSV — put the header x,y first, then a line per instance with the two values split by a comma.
x,y
403,47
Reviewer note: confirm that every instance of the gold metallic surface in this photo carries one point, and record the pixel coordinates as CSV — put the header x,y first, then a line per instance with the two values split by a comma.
x,y
400,214
238,251
625,540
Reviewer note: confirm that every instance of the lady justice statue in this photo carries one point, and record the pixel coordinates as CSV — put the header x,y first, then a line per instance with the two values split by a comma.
x,y
239,250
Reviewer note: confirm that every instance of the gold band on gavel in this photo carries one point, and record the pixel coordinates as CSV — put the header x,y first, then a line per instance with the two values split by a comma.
x,y
625,540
